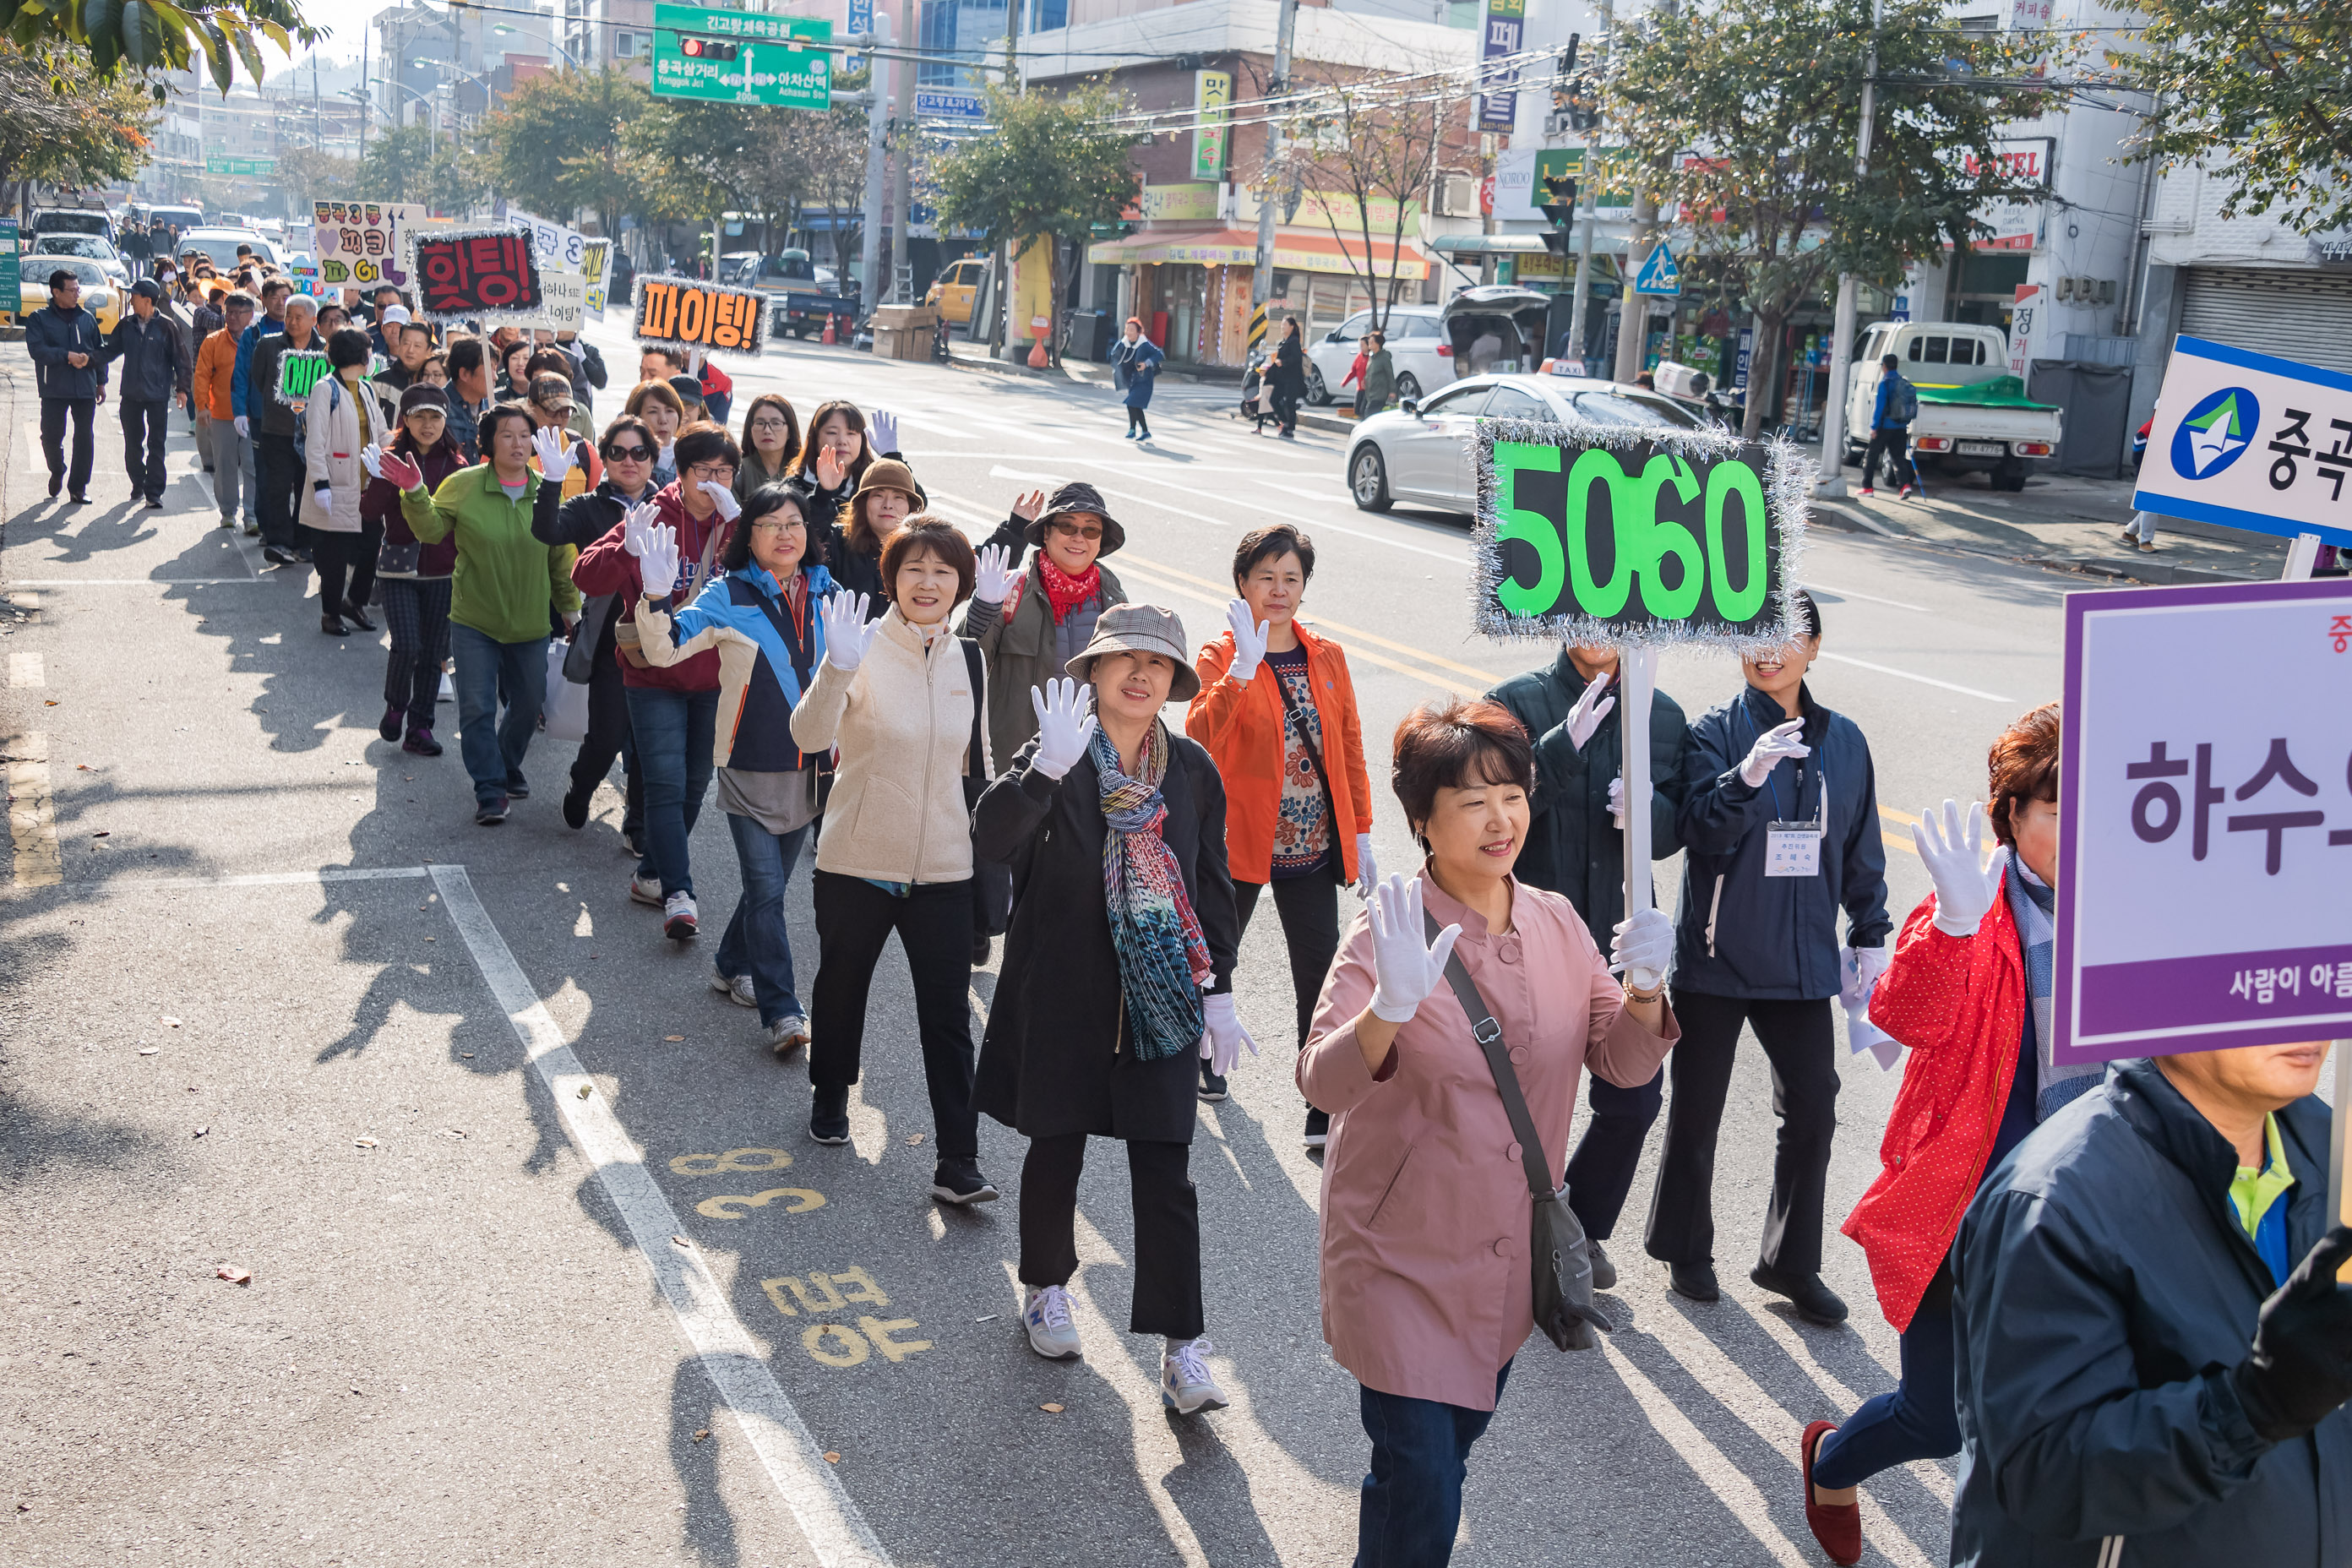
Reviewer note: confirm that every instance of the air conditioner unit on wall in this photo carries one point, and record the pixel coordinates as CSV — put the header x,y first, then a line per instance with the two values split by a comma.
x,y
1457,196
2066,288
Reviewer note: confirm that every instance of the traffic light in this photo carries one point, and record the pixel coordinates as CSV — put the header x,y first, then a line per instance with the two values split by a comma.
x,y
1559,212
695,46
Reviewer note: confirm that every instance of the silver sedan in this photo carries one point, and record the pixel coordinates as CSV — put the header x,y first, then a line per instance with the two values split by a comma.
x,y
1419,452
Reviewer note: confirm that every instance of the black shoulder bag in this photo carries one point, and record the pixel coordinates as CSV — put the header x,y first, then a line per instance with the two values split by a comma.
x,y
992,880
1559,1253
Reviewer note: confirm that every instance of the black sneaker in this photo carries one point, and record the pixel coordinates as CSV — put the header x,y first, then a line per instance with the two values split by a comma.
x,y
56,483
1213,1087
575,808
1605,1273
960,1182
490,813
277,555
518,788
1318,1128
1815,1303
829,1115
154,503
389,725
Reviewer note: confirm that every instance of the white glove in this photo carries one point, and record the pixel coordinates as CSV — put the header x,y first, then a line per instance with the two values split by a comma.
x,y
657,562
1222,1041
846,630
1590,710
882,432
555,455
1249,641
326,500
241,432
1779,741
1064,726
1367,871
723,498
1861,967
637,526
991,575
1643,947
1617,800
1405,971
1965,890
371,459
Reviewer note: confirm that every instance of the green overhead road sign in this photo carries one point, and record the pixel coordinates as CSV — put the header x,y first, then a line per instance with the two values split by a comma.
x,y
741,57
216,163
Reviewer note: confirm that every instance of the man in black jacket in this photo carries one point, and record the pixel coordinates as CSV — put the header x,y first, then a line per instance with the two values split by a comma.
x,y
1576,847
69,367
280,462
156,367
2154,1352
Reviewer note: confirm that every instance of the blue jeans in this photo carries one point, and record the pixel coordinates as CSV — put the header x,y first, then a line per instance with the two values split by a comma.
x,y
756,941
674,731
1920,1420
1411,1504
494,747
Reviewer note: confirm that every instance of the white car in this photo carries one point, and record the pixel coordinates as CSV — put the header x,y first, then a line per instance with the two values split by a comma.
x,y
1419,452
85,247
1417,347
219,244
1492,328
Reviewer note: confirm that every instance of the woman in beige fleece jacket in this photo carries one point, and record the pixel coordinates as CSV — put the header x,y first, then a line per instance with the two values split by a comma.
x,y
901,699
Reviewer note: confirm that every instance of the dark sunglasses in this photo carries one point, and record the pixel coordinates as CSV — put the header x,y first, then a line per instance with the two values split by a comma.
x,y
629,454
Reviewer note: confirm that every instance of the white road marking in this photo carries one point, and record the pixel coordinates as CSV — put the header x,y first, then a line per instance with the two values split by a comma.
x,y
1454,558
32,815
1740,1495
836,1532
25,669
269,879
1922,680
1868,598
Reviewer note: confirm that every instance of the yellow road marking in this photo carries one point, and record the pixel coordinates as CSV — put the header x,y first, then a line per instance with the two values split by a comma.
x,y
32,815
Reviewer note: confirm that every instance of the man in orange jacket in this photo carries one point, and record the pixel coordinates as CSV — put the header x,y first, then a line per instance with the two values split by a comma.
x,y
215,368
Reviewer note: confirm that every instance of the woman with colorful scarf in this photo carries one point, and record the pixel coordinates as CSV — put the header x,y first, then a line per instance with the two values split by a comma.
x,y
1117,977
1968,992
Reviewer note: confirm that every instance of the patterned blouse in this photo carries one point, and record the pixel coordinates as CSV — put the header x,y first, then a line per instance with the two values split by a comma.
x,y
1302,828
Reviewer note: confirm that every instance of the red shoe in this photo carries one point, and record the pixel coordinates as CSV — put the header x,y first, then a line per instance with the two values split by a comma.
x,y
1837,1526
1868,491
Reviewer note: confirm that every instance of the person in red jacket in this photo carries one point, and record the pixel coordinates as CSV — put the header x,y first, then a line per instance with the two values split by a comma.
x,y
673,709
1967,991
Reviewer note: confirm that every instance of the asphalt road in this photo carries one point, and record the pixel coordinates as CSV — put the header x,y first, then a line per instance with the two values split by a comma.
x,y
270,1002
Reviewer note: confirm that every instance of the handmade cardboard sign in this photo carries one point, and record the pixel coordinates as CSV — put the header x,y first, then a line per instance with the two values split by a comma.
x,y
300,370
564,297
476,273
686,313
1624,536
363,243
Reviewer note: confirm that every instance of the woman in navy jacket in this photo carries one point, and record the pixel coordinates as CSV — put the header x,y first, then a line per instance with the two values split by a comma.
x,y
1780,828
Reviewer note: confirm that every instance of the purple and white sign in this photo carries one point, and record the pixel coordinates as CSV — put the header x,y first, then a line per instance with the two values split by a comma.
x,y
2205,820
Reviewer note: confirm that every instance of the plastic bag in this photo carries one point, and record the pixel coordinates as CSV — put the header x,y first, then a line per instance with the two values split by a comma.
x,y
565,710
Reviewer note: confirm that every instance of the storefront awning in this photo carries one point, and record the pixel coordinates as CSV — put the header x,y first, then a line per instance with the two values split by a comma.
x,y
1491,244
1295,250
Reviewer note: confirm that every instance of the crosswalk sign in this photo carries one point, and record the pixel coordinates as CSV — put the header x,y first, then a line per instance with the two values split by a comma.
x,y
1659,273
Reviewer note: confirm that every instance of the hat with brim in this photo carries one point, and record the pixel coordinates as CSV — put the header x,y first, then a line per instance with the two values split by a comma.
x,y
1141,628
1079,496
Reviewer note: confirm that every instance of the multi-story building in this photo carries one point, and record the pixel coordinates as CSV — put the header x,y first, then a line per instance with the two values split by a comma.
x,y
450,67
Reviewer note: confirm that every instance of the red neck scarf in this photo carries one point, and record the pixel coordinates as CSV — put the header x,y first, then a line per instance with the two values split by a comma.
x,y
1065,593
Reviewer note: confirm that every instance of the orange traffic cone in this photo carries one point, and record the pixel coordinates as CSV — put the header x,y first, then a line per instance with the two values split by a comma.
x,y
828,340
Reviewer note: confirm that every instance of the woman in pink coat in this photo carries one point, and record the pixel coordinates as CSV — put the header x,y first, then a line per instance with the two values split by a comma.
x,y
1427,1289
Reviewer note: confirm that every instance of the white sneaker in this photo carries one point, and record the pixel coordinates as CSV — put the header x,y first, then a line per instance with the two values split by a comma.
x,y
678,918
1185,1385
448,692
1046,1316
646,890
737,988
786,1036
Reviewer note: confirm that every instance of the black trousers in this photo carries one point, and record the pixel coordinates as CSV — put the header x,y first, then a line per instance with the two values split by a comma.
x,y
1896,444
854,920
346,565
53,439
1601,1171
279,476
1801,1046
1138,420
416,614
1309,909
608,737
1167,1228
144,424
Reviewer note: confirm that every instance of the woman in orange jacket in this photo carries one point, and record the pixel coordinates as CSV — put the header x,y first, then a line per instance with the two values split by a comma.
x,y
1277,712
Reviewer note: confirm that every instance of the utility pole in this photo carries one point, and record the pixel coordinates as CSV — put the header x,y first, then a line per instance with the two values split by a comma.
x,y
1000,319
1262,277
901,156
1634,309
877,113
1833,465
1591,188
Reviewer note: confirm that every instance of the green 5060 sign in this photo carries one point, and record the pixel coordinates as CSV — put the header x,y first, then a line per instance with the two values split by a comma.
x,y
1629,542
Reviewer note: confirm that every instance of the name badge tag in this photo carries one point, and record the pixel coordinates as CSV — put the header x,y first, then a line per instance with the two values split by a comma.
x,y
1792,849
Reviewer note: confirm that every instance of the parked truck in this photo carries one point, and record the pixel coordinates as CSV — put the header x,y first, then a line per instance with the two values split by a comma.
x,y
802,296
1973,414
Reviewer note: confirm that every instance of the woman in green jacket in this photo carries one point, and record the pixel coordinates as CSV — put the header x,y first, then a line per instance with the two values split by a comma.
x,y
505,584
1379,376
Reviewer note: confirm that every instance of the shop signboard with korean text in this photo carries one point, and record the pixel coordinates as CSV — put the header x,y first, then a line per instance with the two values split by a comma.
x,y
2205,828
2249,440
477,273
1213,96
682,312
1506,23
363,243
741,57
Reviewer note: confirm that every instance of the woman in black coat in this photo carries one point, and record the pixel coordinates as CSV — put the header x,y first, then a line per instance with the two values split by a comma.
x,y
1289,379
1107,1001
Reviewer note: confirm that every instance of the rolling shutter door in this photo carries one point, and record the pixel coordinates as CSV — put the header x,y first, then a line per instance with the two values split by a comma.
x,y
2297,315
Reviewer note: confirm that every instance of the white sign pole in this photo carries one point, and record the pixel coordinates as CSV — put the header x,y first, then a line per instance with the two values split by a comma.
x,y
2302,555
1637,678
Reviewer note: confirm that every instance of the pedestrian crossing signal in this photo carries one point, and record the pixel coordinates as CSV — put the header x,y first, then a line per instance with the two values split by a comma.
x,y
699,48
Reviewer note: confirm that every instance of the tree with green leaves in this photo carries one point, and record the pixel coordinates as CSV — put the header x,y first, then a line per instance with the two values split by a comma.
x,y
1046,167
821,158
411,164
2259,91
147,36
62,123
561,143
1747,115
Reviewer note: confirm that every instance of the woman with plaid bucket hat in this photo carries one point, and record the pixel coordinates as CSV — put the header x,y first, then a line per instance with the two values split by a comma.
x,y
1118,977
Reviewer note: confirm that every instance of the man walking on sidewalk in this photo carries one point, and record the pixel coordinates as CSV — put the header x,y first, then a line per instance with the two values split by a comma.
x,y
1890,429
156,369
69,367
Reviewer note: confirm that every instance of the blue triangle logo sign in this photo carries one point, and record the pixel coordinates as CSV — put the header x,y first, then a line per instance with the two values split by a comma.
x,y
1659,273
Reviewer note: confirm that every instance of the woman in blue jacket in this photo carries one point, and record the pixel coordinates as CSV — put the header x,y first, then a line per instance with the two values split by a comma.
x,y
762,616
1780,828
1135,363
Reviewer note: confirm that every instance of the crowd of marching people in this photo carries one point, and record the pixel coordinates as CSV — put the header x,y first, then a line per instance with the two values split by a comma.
x,y
2114,1289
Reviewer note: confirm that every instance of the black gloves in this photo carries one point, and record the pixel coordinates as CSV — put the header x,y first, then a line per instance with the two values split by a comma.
x,y
2301,1367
